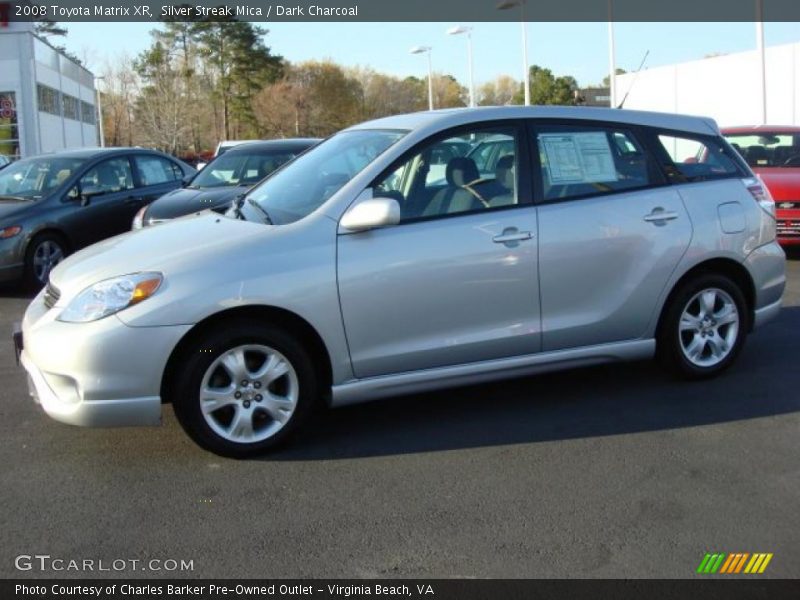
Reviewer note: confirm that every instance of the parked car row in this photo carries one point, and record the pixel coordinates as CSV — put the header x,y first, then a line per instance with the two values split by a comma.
x,y
408,254
55,204
227,176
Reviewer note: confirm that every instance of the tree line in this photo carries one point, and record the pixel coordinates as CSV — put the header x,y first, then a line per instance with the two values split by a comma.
x,y
201,82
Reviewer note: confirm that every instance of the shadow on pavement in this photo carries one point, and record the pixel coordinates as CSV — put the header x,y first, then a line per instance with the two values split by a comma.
x,y
601,401
16,290
792,252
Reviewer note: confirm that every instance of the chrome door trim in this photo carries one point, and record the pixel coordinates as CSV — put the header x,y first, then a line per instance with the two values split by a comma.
x,y
518,236
660,215
372,388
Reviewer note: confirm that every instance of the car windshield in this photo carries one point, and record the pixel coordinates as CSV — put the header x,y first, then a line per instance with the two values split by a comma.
x,y
767,149
240,168
36,177
297,190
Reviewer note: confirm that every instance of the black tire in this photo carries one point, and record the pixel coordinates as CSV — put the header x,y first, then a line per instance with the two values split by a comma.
x,y
194,365
671,341
34,277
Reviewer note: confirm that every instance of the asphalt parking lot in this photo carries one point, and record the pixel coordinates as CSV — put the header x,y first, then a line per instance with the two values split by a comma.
x,y
606,472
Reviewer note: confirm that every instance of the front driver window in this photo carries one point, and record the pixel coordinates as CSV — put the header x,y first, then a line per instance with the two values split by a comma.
x,y
450,175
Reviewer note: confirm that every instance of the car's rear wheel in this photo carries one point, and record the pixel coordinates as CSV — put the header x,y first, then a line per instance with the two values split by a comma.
x,y
704,327
44,252
244,388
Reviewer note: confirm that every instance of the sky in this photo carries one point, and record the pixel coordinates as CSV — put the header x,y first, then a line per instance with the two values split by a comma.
x,y
576,49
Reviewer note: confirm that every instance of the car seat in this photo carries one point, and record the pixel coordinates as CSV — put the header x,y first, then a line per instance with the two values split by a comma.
x,y
459,195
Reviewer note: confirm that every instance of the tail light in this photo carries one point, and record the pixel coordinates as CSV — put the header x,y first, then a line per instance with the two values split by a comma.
x,y
768,228
761,194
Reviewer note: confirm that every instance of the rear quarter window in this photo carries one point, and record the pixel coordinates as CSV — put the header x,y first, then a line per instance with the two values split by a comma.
x,y
688,158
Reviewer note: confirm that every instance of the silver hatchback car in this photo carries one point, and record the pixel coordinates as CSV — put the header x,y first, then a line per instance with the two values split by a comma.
x,y
358,271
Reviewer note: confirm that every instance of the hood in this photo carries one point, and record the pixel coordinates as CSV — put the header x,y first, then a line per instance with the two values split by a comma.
x,y
783,183
165,248
10,208
185,201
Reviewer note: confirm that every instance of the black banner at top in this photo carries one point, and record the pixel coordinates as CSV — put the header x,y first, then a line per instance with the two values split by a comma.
x,y
67,11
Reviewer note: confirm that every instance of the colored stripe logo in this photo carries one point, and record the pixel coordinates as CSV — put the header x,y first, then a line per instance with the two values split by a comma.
x,y
734,563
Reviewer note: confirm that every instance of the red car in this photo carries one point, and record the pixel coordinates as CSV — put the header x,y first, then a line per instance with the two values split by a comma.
x,y
773,152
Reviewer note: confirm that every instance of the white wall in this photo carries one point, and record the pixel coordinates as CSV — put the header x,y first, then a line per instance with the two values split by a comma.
x,y
25,61
725,88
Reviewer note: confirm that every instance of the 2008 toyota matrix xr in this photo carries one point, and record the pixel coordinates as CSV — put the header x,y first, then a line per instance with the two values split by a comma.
x,y
359,271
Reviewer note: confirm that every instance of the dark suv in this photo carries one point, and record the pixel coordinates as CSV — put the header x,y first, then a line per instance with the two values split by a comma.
x,y
54,204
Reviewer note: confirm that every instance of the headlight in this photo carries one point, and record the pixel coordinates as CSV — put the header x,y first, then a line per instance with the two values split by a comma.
x,y
138,220
110,296
9,232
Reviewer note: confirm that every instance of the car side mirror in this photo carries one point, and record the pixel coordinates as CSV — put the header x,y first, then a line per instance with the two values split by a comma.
x,y
76,193
187,179
370,214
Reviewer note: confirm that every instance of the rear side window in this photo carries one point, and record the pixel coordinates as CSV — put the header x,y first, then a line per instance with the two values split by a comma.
x,y
581,161
154,170
701,158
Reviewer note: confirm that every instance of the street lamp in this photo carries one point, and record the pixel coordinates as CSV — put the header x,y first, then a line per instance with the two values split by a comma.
x,y
100,113
457,30
612,58
505,5
426,50
762,73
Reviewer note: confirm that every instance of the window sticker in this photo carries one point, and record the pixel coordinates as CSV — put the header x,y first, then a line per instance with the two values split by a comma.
x,y
578,157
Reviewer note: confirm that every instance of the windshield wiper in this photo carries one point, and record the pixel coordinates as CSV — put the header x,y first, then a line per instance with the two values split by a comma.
x,y
263,210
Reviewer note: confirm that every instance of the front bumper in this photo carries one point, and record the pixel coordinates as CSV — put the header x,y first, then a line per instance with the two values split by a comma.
x,y
103,373
72,409
11,257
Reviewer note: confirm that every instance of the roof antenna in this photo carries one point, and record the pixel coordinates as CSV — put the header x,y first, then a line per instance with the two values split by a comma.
x,y
635,76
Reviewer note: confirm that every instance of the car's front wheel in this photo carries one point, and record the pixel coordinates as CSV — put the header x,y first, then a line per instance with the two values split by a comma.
x,y
44,252
244,388
704,327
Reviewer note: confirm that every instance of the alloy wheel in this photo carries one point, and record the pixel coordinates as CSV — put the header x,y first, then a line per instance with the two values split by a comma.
x,y
46,256
708,327
249,393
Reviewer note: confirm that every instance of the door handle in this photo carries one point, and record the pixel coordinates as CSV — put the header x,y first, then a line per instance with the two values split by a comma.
x,y
132,200
659,214
512,236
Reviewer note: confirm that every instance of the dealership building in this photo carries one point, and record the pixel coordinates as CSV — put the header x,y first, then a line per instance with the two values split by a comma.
x,y
727,88
47,100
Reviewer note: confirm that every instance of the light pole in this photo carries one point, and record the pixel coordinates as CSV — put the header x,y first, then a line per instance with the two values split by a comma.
x,y
426,50
762,71
457,30
612,59
100,113
505,5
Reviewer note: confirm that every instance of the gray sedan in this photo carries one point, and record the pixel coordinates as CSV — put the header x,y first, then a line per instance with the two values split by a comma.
x,y
356,273
54,204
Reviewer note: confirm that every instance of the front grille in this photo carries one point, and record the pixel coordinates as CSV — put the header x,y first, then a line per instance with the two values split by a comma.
x,y
51,295
788,228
